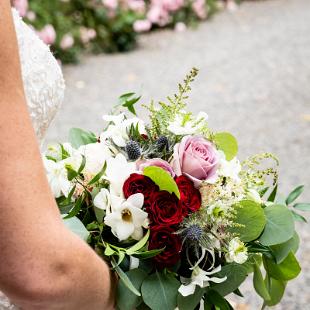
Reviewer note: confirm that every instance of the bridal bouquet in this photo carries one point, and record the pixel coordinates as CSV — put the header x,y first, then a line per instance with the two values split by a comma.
x,y
169,206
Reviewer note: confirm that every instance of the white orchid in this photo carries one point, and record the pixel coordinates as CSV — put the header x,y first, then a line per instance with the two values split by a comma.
x,y
237,251
127,219
57,177
230,168
96,155
117,172
200,278
119,127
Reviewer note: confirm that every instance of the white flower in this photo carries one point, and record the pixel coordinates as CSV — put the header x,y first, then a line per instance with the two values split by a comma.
x,y
237,252
103,200
127,219
200,278
118,171
57,177
252,194
118,131
230,168
181,126
217,210
96,155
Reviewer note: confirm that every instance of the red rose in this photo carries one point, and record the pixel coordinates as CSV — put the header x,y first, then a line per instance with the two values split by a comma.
x,y
190,199
164,209
164,237
138,183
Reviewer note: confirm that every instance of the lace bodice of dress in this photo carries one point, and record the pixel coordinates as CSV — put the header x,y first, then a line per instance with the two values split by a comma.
x,y
42,77
43,85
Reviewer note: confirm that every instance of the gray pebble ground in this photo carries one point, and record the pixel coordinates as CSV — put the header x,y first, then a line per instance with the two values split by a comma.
x,y
254,82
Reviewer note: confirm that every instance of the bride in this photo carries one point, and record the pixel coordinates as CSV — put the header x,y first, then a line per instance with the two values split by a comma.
x,y
42,264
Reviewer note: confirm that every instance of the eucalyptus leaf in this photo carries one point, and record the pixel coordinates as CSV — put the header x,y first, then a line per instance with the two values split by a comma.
x,y
77,227
297,217
287,270
294,194
227,143
259,284
251,220
235,273
190,302
302,206
282,250
276,291
213,298
78,137
163,179
279,227
124,278
126,300
160,291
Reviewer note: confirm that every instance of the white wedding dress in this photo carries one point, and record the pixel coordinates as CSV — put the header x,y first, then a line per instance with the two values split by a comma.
x,y
44,88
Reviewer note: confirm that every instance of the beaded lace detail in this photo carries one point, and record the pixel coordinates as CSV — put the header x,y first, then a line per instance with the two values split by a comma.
x,y
44,88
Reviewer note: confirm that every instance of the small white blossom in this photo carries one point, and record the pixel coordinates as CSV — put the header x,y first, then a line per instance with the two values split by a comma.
x,y
117,172
127,219
252,194
119,127
200,278
103,200
96,155
57,177
181,126
230,168
237,252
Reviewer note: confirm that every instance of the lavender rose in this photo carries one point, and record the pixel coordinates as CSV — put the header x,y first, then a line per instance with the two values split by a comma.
x,y
196,158
157,162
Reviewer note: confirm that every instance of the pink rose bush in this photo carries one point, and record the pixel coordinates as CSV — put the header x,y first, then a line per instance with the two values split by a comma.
x,y
70,30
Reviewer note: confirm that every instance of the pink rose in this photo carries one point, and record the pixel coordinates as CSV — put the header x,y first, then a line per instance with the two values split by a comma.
x,y
21,6
196,158
157,162
67,41
47,34
199,7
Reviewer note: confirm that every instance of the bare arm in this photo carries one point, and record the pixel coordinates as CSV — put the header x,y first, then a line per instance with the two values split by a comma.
x,y
43,265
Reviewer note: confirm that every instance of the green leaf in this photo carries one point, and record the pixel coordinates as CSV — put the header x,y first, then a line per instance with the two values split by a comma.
x,y
259,284
294,194
235,273
273,194
128,101
163,179
287,270
302,206
148,254
108,250
139,244
213,298
76,209
250,215
160,291
190,302
126,300
253,259
276,291
77,227
227,143
98,176
124,278
78,137
279,227
297,217
280,251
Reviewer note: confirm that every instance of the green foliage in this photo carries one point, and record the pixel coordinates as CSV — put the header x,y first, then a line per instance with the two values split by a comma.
x,y
163,179
78,137
160,291
213,298
250,220
128,101
227,143
276,290
235,273
279,227
294,194
190,302
126,300
259,284
77,227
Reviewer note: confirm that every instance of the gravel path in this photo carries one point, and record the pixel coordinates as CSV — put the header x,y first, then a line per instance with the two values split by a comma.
x,y
254,81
